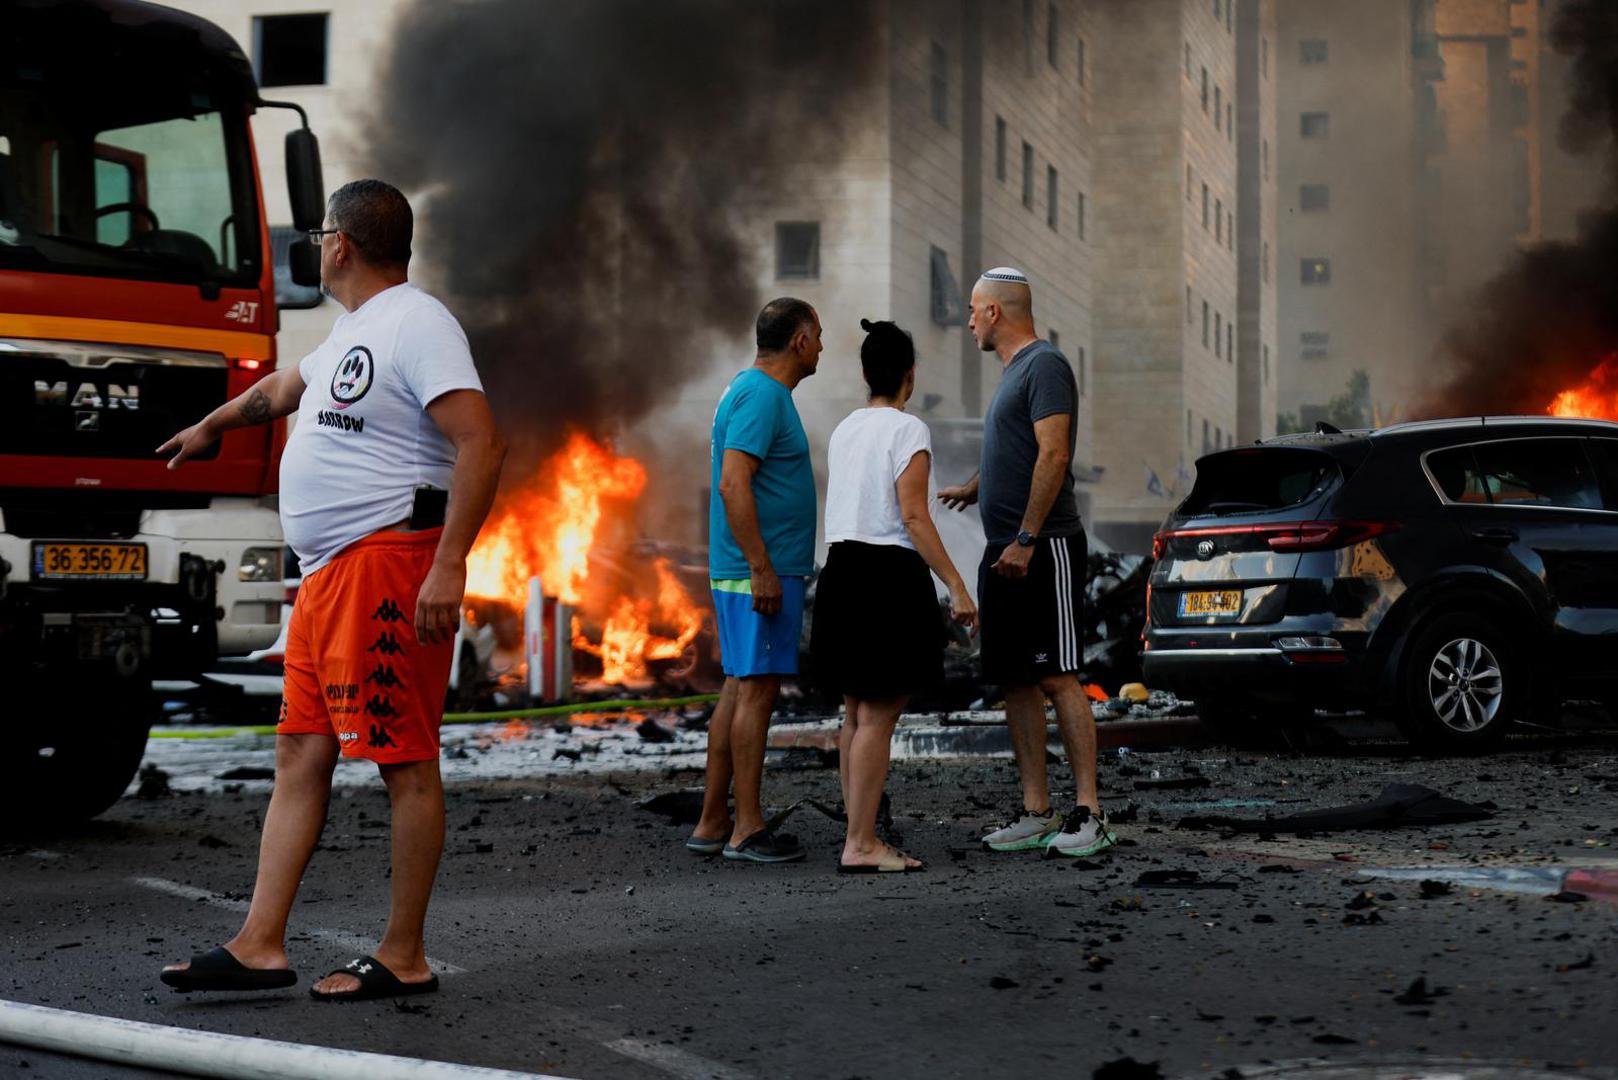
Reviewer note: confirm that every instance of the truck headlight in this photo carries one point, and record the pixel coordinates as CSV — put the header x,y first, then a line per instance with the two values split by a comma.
x,y
260,564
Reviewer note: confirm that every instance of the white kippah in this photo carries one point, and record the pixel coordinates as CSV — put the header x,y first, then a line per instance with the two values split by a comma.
x,y
1005,273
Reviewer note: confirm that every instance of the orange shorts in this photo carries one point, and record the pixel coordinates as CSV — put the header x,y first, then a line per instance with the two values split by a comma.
x,y
353,667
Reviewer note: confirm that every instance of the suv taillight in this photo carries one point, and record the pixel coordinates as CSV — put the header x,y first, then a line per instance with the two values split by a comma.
x,y
1289,536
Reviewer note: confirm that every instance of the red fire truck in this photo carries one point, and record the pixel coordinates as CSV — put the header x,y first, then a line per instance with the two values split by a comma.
x,y
136,294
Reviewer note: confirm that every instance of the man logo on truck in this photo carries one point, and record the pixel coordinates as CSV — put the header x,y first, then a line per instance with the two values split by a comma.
x,y
352,378
87,396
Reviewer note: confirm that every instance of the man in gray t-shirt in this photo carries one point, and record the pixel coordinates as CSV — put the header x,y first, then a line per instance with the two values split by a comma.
x,y
1032,578
1038,383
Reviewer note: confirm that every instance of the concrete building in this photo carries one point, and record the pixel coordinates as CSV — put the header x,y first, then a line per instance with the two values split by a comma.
x,y
1166,293
1256,292
1349,235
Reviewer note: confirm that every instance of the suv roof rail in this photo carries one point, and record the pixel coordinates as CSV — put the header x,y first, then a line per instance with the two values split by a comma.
x,y
1485,421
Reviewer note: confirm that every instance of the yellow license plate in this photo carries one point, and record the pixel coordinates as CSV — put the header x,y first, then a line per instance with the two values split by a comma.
x,y
1226,602
89,562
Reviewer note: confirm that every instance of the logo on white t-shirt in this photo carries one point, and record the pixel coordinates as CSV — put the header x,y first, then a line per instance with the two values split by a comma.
x,y
352,378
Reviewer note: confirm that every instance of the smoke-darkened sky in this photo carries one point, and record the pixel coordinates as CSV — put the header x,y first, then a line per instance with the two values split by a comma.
x,y
574,165
1551,316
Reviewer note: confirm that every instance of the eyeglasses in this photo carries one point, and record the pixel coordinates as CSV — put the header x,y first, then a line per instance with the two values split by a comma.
x,y
315,235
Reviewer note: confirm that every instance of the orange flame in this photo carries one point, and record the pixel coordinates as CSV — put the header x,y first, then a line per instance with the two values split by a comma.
x,y
547,529
1596,398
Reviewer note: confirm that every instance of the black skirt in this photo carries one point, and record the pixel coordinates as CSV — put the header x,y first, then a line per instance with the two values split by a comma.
x,y
878,630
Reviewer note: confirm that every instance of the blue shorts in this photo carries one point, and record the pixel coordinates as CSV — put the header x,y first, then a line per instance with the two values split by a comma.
x,y
754,644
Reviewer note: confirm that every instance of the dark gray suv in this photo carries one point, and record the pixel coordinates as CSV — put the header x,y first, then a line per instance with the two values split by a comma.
x,y
1457,574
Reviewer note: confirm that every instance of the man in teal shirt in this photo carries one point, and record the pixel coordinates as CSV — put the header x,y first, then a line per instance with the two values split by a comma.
x,y
761,551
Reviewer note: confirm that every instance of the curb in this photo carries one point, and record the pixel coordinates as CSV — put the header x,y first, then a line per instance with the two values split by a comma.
x,y
925,739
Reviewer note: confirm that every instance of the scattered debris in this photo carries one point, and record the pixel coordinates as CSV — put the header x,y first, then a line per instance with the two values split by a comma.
x,y
682,807
1432,890
1588,962
1128,1069
1418,993
1332,1039
154,783
1398,806
651,731
1568,897
1178,879
1000,982
212,841
248,772
1175,783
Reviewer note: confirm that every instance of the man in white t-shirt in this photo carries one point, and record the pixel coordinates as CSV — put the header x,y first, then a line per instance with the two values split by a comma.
x,y
385,481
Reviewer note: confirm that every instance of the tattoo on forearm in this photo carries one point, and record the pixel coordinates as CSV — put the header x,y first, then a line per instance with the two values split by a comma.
x,y
256,409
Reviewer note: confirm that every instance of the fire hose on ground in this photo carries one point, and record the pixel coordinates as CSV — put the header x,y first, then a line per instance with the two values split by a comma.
x,y
621,705
206,1053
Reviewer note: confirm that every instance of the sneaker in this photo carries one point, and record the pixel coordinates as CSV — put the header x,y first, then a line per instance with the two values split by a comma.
x,y
1024,832
1084,832
766,846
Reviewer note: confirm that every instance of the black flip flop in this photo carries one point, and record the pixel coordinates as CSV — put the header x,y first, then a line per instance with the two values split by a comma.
x,y
376,981
218,969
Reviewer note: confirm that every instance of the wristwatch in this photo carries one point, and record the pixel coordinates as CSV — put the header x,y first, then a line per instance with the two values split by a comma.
x,y
1025,539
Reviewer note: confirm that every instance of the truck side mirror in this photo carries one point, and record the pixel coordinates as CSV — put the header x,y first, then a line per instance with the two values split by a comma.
x,y
305,187
303,260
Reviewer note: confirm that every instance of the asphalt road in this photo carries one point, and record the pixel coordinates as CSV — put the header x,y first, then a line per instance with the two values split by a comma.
x,y
585,942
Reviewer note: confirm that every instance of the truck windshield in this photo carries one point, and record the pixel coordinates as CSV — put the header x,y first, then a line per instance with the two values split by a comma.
x,y
152,181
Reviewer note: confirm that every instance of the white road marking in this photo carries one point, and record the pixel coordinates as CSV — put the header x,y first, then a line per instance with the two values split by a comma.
x,y
668,1059
352,942
674,1061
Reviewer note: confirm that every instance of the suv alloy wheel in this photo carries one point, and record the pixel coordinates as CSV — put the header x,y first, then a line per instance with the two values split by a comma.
x,y
1462,685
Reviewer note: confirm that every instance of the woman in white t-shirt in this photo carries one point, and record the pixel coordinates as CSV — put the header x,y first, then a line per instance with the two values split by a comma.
x,y
878,636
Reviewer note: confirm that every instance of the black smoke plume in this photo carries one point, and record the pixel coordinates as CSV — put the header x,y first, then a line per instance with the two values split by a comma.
x,y
1551,317
579,168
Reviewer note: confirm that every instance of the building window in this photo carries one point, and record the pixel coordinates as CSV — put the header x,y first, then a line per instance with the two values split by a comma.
x,y
1081,216
1219,10
1188,305
1188,188
1230,341
1204,90
1206,446
1219,334
1204,206
1314,197
1028,176
290,50
1053,30
1230,121
797,250
1219,221
1264,157
1219,108
1266,365
1083,363
1315,125
1313,50
940,84
1230,230
1052,201
1264,57
1314,345
1055,338
1230,16
947,307
1081,62
999,149
1188,427
1264,262
1316,271
1205,324
1028,37
1219,437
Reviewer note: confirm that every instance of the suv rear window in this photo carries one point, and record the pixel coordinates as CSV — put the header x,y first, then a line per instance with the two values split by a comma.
x,y
1255,480
1518,472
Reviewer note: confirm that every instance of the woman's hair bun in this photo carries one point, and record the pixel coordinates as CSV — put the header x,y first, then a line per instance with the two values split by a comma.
x,y
867,325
